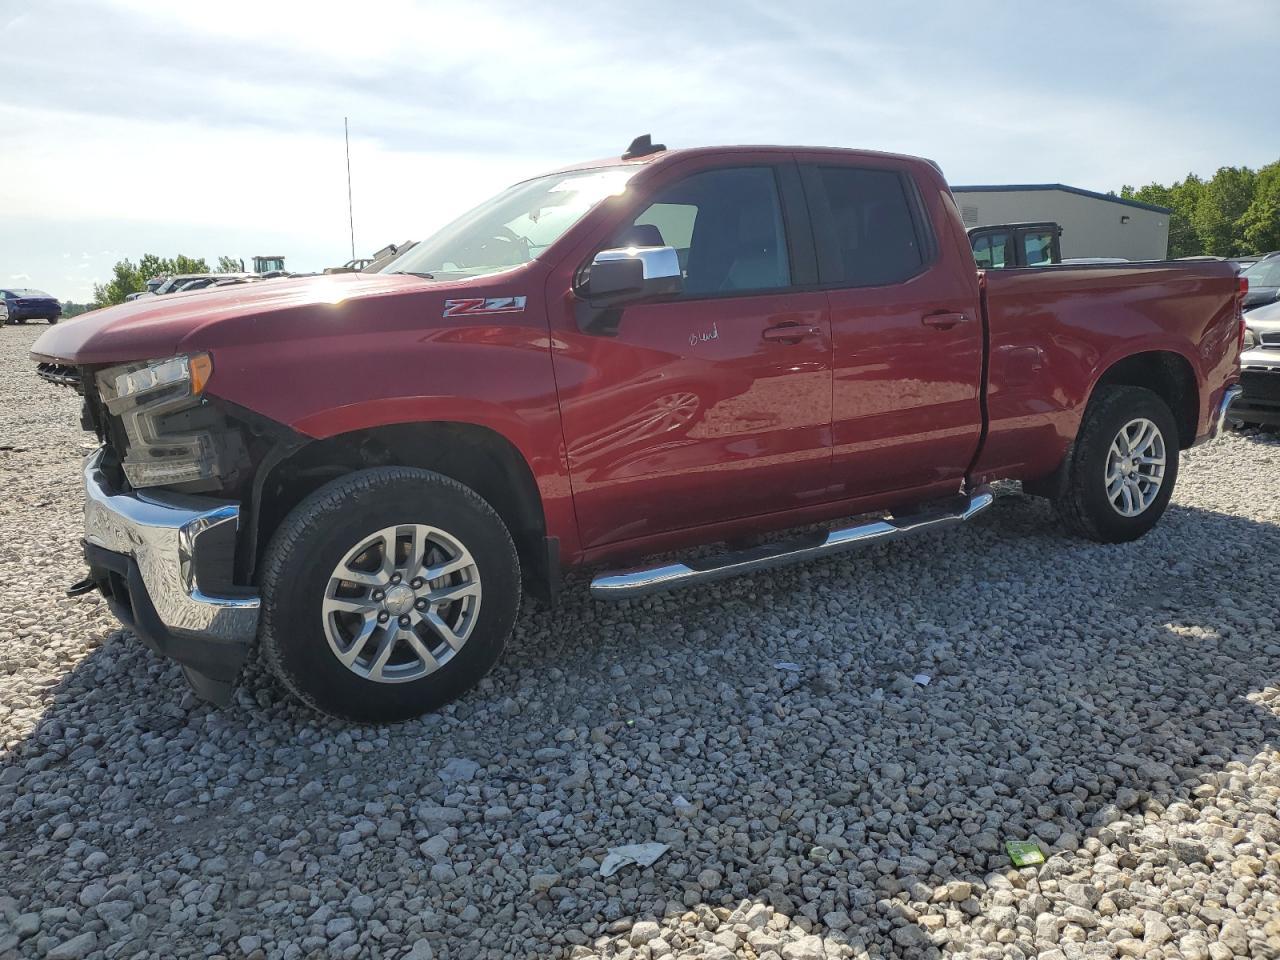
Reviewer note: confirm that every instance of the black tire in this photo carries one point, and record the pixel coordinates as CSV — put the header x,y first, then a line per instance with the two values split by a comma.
x,y
1083,503
52,321
314,538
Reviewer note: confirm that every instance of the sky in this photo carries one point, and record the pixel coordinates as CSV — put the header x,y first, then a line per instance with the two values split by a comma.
x,y
131,126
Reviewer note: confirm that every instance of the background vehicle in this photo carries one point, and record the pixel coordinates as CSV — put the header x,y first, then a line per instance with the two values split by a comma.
x,y
1016,245
25,304
268,265
638,356
1260,369
1247,261
1264,281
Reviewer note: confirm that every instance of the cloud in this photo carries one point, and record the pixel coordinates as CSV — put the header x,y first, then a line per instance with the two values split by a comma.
x,y
184,126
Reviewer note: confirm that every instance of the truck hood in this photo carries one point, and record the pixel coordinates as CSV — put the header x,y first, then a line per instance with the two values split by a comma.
x,y
153,327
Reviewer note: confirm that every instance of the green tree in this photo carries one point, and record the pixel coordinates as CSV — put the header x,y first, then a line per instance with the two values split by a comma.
x,y
1259,226
1181,198
230,265
128,277
1221,205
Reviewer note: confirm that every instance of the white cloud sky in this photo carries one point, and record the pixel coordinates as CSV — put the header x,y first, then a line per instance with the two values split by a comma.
x,y
129,126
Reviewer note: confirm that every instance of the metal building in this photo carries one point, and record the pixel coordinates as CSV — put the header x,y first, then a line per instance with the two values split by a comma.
x,y
1093,224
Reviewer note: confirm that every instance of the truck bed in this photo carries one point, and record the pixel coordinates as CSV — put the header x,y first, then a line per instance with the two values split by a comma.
x,y
1052,332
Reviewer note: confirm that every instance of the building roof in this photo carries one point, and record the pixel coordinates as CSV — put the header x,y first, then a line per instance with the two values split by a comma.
x,y
1021,187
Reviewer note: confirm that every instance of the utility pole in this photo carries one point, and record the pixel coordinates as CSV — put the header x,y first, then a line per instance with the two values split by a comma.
x,y
350,215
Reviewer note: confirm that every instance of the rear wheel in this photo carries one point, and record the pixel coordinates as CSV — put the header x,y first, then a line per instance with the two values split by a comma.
x,y
1123,466
388,593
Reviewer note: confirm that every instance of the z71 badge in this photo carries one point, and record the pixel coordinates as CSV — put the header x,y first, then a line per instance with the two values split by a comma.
x,y
482,307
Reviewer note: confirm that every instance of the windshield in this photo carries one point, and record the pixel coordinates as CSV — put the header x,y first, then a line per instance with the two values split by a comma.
x,y
1264,273
26,292
513,227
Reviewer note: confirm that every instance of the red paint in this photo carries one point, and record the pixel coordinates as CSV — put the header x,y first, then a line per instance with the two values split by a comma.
x,y
709,419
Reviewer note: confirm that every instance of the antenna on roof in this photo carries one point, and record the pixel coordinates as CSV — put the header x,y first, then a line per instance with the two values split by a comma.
x,y
642,146
351,217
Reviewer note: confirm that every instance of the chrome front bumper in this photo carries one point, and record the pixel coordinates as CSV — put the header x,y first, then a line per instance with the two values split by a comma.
x,y
164,535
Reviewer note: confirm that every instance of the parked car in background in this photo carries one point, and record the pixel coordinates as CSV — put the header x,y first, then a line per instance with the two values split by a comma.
x,y
634,357
190,281
1243,263
215,280
375,263
1003,245
1260,369
23,304
1264,281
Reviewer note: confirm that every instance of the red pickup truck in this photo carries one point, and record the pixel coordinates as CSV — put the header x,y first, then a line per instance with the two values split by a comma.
x,y
640,355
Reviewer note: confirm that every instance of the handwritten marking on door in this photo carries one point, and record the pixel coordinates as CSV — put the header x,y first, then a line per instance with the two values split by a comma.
x,y
697,338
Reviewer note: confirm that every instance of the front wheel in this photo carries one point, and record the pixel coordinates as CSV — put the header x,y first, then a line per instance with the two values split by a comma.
x,y
387,593
1123,466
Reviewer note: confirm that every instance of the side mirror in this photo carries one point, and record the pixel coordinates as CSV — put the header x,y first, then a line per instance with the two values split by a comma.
x,y
629,274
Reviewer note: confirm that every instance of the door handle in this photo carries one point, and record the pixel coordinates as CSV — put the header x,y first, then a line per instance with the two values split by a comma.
x,y
943,321
791,332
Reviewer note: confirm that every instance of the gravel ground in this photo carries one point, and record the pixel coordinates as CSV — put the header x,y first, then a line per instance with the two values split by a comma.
x,y
1120,705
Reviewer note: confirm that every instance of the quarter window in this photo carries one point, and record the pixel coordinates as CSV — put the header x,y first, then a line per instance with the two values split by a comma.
x,y
726,227
872,233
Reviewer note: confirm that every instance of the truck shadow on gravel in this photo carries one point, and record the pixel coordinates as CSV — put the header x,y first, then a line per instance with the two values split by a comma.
x,y
768,730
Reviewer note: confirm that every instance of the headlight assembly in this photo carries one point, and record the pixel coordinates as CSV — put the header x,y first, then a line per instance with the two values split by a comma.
x,y
1250,338
158,403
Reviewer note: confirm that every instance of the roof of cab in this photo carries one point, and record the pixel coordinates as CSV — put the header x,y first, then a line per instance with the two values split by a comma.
x,y
667,155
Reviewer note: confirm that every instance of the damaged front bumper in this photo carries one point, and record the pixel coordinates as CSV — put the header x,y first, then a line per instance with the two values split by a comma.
x,y
164,563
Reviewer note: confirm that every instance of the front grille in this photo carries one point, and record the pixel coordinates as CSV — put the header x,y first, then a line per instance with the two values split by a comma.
x,y
1271,339
60,373
1261,383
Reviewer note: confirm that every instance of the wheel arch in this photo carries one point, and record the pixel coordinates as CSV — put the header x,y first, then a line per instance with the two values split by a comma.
x,y
1167,374
476,456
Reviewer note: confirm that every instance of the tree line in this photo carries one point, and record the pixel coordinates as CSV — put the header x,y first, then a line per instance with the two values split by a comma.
x,y
128,277
1235,212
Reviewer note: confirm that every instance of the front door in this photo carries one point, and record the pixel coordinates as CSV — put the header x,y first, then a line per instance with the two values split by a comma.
x,y
712,406
906,326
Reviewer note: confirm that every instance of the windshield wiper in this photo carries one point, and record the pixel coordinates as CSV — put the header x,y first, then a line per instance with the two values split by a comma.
x,y
414,273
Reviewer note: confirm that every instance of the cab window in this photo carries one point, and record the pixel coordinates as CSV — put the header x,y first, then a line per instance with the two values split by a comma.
x,y
989,250
726,227
1037,248
871,234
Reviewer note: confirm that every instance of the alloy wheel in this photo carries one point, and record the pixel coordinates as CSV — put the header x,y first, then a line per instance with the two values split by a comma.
x,y
1135,467
401,603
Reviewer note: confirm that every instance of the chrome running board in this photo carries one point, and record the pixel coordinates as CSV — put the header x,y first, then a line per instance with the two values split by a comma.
x,y
637,582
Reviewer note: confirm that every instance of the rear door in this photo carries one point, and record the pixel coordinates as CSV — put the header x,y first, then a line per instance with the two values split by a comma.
x,y
906,327
714,405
